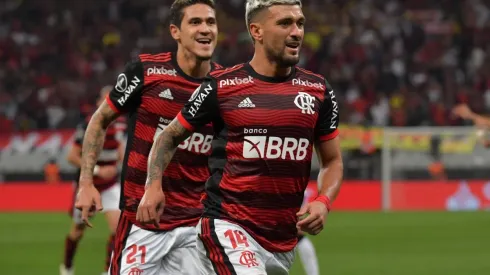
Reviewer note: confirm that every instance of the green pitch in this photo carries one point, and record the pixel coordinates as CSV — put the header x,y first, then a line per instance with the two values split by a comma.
x,y
353,243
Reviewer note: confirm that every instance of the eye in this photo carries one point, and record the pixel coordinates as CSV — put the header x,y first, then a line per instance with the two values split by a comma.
x,y
195,21
285,22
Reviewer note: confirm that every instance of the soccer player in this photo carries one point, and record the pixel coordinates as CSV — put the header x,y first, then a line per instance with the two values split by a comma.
x,y
152,90
267,115
105,181
305,247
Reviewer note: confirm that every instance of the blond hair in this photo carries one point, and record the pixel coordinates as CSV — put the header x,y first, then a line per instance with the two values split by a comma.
x,y
252,7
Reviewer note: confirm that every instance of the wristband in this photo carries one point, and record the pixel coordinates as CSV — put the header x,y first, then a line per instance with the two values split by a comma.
x,y
325,200
96,170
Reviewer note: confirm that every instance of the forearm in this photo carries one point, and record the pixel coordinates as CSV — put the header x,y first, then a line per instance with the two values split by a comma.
x,y
480,120
330,179
75,160
93,142
163,150
161,154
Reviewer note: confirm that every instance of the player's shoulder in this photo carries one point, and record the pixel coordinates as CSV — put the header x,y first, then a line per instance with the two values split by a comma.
x,y
226,71
155,58
216,66
308,78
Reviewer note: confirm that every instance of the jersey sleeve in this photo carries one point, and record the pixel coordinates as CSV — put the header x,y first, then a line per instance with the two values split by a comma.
x,y
126,93
202,108
79,134
328,117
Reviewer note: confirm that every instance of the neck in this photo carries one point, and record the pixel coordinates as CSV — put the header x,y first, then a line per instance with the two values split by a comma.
x,y
191,65
266,66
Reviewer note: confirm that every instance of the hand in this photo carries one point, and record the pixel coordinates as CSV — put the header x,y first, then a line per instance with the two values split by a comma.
x,y
481,122
313,223
87,199
462,111
151,206
107,172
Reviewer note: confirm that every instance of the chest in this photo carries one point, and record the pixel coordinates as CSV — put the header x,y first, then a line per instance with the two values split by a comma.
x,y
271,106
165,98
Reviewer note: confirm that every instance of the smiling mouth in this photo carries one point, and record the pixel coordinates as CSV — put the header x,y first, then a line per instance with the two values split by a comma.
x,y
293,45
204,41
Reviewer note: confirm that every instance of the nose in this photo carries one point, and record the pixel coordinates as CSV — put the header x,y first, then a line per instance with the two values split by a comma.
x,y
296,32
204,29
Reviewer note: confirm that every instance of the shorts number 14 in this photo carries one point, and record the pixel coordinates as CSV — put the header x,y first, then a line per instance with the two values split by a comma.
x,y
236,238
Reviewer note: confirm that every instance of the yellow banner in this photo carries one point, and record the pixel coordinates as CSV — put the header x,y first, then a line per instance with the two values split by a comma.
x,y
353,137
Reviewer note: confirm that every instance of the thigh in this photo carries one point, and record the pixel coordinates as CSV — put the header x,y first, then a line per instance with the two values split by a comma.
x,y
226,248
279,263
110,198
137,251
184,261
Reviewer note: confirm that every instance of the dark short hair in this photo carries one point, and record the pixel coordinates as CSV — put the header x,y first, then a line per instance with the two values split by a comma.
x,y
177,9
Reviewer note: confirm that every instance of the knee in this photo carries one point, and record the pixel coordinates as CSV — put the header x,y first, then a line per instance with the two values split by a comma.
x,y
76,232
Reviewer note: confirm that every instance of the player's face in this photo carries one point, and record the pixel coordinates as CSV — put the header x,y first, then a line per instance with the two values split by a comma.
x,y
198,31
283,33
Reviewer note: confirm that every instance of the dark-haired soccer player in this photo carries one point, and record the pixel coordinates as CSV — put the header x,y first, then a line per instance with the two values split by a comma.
x,y
151,91
267,116
105,181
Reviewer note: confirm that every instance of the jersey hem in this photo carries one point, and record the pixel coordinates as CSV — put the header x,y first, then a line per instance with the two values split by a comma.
x,y
184,122
111,104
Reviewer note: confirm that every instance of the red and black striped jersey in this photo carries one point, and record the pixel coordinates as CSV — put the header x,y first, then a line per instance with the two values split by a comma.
x,y
109,154
264,132
152,90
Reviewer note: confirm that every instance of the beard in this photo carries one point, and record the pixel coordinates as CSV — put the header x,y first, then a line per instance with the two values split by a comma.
x,y
281,57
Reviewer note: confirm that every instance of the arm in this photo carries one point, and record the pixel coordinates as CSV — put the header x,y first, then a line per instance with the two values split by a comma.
x,y
327,147
94,140
120,152
464,112
331,167
163,149
124,97
74,156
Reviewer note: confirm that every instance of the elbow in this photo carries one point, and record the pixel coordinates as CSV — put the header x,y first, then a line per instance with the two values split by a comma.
x,y
98,121
334,164
71,159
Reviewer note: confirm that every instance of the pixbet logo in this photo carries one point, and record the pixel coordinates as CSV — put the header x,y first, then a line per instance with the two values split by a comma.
x,y
306,83
161,70
270,147
235,81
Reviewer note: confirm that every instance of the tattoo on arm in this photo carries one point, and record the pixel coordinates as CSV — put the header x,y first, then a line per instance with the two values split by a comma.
x,y
164,148
94,138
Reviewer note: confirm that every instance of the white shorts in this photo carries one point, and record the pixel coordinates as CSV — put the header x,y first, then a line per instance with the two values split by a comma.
x,y
142,252
226,248
110,202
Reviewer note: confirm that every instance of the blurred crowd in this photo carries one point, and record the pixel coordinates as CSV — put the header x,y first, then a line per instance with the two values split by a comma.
x,y
391,62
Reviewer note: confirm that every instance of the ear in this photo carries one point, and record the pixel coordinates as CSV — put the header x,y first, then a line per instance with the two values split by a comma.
x,y
256,31
175,32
